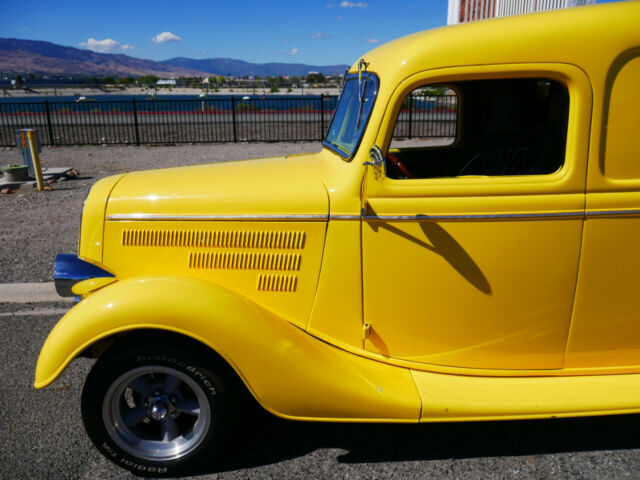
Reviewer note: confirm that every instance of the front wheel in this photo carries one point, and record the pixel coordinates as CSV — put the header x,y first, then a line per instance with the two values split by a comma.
x,y
157,409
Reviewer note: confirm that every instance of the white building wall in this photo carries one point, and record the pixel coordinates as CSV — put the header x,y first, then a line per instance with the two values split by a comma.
x,y
479,9
453,13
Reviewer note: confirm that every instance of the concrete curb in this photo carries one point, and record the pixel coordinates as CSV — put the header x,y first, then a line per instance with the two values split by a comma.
x,y
30,292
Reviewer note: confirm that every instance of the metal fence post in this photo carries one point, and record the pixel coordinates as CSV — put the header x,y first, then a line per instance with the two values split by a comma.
x,y
135,121
233,117
49,128
410,114
321,116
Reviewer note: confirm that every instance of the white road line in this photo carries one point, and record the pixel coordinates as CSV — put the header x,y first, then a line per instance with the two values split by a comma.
x,y
30,292
36,312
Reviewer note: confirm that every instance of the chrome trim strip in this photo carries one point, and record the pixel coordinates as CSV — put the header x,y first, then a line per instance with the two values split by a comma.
x,y
397,218
596,213
410,218
160,217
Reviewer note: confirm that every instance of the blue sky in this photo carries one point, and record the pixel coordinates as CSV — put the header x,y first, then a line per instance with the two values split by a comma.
x,y
302,31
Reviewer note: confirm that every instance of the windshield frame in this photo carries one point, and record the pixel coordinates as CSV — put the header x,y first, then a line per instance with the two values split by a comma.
x,y
365,121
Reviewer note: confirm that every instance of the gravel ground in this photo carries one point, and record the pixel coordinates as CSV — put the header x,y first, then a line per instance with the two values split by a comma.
x,y
35,226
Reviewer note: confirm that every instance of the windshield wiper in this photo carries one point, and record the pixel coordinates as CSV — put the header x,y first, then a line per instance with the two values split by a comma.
x,y
362,91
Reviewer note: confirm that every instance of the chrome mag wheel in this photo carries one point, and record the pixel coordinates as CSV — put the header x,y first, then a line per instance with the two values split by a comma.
x,y
160,405
156,413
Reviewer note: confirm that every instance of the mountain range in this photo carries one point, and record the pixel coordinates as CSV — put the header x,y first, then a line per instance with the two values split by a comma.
x,y
33,56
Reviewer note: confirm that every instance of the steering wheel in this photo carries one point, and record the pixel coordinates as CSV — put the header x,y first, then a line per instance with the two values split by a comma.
x,y
399,165
505,154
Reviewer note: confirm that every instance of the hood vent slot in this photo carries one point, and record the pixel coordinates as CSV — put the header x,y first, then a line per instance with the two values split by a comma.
x,y
245,260
271,239
268,282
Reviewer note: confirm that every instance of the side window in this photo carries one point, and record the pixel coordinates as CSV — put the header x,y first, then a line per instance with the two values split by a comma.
x,y
428,117
481,127
623,124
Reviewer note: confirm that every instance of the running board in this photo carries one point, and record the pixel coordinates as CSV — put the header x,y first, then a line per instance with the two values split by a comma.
x,y
450,398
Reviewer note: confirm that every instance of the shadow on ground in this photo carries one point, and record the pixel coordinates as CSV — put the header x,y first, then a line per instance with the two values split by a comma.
x,y
273,440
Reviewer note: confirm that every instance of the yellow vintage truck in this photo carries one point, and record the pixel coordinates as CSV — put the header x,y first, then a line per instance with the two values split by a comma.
x,y
494,275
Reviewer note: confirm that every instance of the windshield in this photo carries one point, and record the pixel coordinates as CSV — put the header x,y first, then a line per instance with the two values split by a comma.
x,y
351,116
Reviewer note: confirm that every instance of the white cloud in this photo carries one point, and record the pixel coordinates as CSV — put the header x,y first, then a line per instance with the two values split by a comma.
x,y
166,37
339,17
108,45
293,51
346,4
319,35
329,5
371,40
286,39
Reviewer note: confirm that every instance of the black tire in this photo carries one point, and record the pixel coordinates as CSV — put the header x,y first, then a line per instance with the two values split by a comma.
x,y
158,407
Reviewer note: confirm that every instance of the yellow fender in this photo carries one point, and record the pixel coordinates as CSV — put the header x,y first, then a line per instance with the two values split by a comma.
x,y
290,373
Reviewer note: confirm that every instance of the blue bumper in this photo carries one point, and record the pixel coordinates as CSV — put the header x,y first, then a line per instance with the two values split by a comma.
x,y
69,270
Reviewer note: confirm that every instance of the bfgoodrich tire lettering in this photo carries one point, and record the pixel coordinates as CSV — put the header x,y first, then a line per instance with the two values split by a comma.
x,y
157,409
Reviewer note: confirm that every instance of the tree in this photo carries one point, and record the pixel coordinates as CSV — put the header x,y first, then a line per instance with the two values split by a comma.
x,y
433,91
221,79
315,78
147,80
19,80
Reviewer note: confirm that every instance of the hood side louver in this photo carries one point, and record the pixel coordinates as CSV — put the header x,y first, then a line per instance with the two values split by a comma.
x,y
230,250
245,260
269,239
277,283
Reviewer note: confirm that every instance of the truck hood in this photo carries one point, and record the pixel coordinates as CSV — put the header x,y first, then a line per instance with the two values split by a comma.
x,y
265,187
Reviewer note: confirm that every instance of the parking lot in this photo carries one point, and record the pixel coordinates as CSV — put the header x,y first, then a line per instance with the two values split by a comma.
x,y
41,432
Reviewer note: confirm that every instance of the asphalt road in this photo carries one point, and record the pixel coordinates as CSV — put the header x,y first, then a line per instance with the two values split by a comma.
x,y
41,433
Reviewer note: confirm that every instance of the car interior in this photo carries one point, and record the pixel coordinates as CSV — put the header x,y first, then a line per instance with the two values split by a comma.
x,y
498,127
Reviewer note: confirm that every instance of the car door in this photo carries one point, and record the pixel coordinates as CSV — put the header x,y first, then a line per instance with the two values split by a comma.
x,y
471,263
606,330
